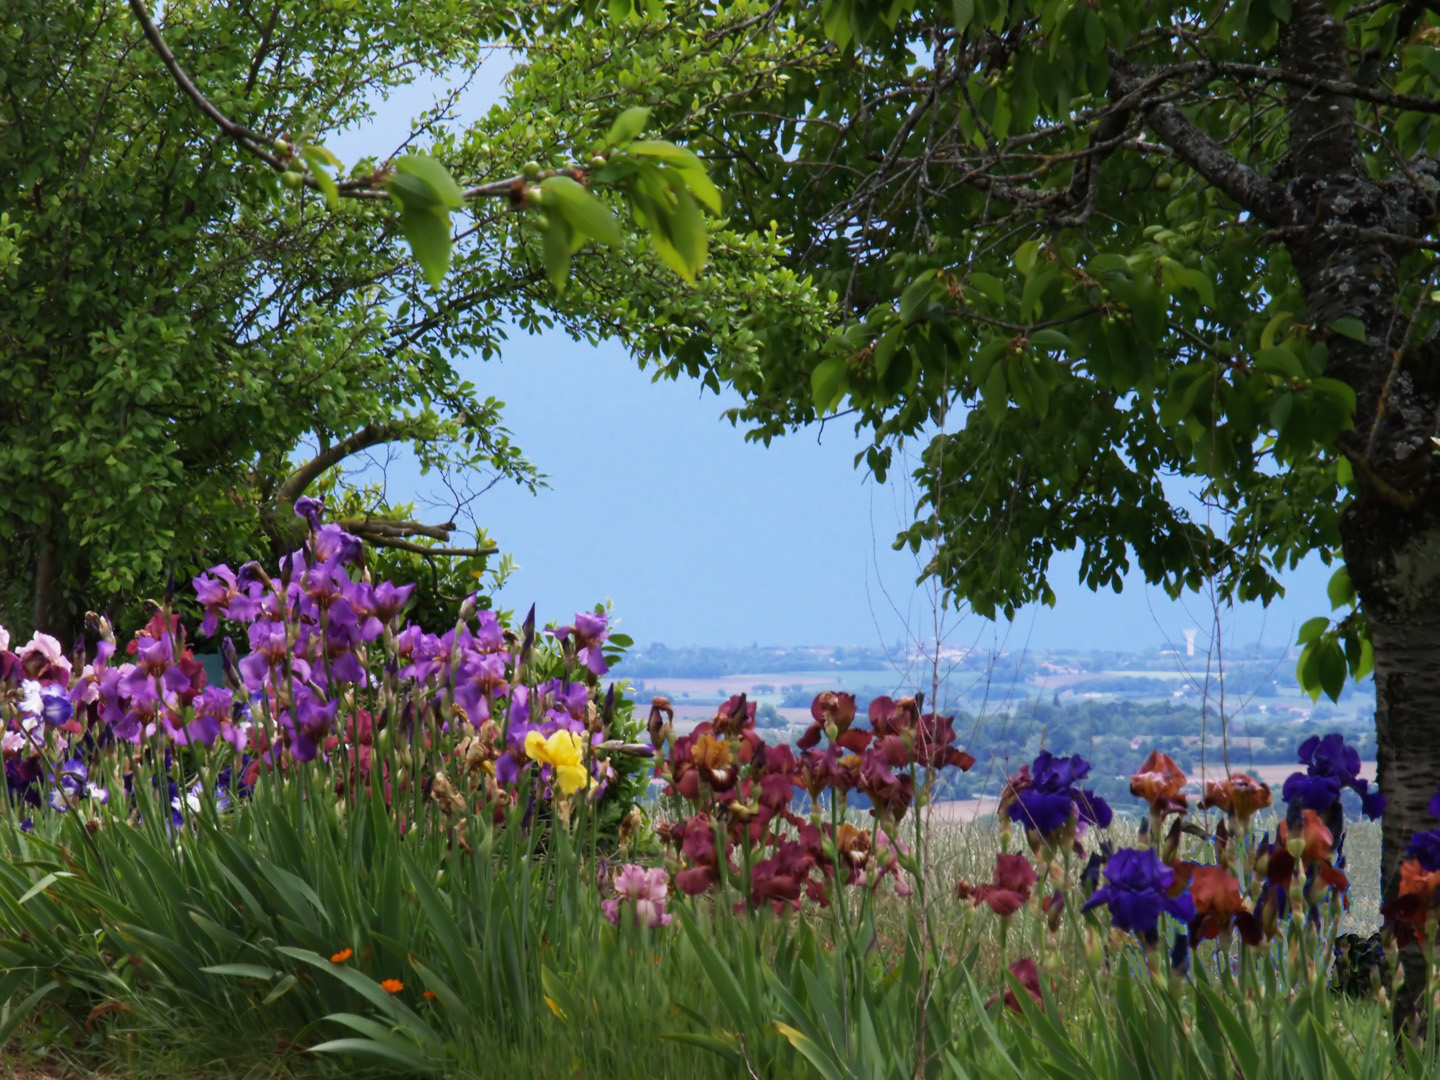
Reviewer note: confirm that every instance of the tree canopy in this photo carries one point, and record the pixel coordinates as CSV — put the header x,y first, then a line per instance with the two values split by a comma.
x,y
199,319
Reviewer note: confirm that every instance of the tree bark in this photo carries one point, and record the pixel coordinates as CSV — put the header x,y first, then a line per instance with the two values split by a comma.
x,y
1407,728
47,615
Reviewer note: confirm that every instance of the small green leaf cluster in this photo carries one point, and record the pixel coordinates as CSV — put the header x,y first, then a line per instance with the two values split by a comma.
x,y
1334,651
426,194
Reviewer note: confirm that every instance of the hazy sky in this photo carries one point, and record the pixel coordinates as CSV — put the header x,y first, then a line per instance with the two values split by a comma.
x,y
701,538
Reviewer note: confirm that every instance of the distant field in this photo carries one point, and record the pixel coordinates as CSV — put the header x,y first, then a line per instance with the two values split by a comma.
x,y
745,684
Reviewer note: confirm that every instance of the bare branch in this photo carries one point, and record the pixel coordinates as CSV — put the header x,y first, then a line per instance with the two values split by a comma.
x,y
370,435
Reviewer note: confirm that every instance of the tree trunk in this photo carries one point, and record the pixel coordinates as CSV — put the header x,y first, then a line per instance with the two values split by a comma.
x,y
1393,554
47,615
1407,728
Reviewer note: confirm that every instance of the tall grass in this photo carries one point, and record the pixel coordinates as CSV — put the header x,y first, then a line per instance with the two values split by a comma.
x,y
207,950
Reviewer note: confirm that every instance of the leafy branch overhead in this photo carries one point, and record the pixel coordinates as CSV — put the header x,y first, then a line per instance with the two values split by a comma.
x,y
663,185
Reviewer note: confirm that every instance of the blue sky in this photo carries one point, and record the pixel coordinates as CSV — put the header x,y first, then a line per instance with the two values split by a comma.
x,y
698,537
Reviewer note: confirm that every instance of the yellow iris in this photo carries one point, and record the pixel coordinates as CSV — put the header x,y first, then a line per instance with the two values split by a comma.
x,y
562,751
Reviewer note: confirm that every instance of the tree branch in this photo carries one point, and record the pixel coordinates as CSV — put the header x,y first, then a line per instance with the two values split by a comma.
x,y
365,187
370,435
244,137
1258,194
380,540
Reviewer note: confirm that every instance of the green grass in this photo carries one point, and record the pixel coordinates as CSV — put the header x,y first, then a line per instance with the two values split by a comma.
x,y
204,954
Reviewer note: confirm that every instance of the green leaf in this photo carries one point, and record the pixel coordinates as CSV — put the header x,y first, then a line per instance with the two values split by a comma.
x,y
283,987
990,286
1273,327
429,234
627,125
1340,590
1050,338
1026,255
824,1064
997,394
320,154
10,1019
674,221
916,296
412,193
1332,669
555,251
242,971
1311,629
369,1048
43,884
684,162
586,213
1198,282
1351,328
721,1046
1242,1043
827,382
961,13
722,979
434,176
315,157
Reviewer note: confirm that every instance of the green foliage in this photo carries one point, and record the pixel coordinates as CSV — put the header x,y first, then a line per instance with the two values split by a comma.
x,y
179,323
1331,653
239,917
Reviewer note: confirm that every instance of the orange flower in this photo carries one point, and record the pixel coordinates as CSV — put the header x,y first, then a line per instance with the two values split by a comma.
x,y
1159,782
1215,892
1217,899
428,995
341,956
392,986
853,845
1318,840
1415,881
1415,901
711,753
1240,795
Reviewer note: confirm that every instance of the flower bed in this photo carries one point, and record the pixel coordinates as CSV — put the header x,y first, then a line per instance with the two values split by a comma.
x,y
378,844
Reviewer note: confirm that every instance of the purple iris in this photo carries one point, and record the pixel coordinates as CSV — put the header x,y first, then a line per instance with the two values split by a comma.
x,y
313,721
310,510
376,606
489,634
1425,846
332,543
55,707
1137,892
220,593
1332,766
1047,803
212,711
481,680
72,783
154,659
588,631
